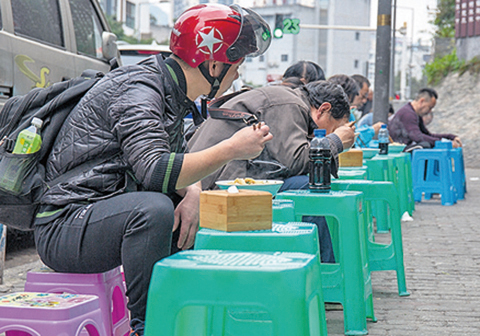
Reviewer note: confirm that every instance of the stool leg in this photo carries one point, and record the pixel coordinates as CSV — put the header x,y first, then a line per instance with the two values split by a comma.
x,y
354,311
448,192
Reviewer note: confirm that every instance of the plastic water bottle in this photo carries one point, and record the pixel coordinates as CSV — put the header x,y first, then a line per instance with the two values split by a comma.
x,y
320,158
383,140
29,140
14,168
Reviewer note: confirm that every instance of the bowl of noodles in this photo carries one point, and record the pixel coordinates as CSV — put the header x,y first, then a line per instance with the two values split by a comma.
x,y
272,186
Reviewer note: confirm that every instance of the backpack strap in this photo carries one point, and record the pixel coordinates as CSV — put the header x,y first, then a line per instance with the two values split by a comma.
x,y
217,112
227,114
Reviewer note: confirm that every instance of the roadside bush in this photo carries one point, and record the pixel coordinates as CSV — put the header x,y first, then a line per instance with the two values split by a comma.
x,y
442,66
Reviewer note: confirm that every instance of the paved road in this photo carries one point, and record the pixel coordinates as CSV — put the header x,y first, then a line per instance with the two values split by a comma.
x,y
442,259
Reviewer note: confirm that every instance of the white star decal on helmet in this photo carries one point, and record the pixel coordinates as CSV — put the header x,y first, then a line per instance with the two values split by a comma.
x,y
209,40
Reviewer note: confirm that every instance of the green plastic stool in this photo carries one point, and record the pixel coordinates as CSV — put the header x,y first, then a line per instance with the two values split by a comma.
x,y
382,257
404,164
207,292
352,174
394,149
283,211
382,168
290,237
348,281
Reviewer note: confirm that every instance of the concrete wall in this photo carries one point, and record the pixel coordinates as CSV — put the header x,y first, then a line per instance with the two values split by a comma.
x,y
468,48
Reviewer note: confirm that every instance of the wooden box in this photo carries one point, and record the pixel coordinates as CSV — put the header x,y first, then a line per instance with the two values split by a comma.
x,y
351,158
244,211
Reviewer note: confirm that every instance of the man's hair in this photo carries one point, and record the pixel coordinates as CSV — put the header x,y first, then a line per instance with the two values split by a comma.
x,y
307,70
426,93
348,84
360,79
320,92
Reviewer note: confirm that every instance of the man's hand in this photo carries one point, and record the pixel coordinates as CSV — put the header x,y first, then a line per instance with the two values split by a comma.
x,y
347,135
187,216
457,142
250,141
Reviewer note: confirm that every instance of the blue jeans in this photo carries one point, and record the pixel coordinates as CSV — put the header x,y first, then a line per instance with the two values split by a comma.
x,y
326,248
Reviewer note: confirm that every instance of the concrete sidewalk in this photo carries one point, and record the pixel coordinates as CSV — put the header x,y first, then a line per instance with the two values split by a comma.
x,y
442,260
442,266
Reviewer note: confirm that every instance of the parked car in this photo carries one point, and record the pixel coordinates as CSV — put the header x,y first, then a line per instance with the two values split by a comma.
x,y
47,41
134,53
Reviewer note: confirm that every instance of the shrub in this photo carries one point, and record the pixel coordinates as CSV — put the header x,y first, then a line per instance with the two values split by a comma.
x,y
442,66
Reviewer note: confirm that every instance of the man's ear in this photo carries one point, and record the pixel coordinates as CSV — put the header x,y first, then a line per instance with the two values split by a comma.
x,y
325,107
213,68
317,113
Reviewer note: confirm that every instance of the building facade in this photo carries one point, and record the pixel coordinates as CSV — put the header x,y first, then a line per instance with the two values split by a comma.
x,y
336,51
467,28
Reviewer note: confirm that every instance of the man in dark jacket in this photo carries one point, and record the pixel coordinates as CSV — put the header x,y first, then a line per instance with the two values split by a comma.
x,y
138,182
407,125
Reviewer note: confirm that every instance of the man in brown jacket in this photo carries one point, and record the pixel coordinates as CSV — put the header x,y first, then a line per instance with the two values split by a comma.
x,y
291,114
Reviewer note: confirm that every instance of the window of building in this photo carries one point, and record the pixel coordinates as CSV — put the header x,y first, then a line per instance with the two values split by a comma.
x,y
357,36
248,59
261,58
130,13
355,64
39,20
284,58
87,26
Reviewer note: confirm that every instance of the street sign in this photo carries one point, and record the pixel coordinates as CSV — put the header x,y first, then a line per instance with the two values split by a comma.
x,y
291,26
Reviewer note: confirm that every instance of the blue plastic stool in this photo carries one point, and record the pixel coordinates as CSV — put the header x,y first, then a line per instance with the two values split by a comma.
x,y
459,179
208,292
437,181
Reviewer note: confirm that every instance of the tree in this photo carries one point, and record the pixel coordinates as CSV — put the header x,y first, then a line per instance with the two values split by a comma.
x,y
444,20
117,29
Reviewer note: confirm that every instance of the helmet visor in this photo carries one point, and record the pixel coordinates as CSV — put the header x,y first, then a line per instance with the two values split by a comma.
x,y
254,38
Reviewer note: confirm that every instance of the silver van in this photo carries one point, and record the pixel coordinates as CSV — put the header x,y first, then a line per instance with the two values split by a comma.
x,y
47,41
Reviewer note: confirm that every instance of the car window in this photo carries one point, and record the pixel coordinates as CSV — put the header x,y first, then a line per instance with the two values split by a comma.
x,y
1,25
39,19
88,29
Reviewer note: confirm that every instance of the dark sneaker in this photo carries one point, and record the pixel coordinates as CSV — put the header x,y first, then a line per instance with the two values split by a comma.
x,y
138,327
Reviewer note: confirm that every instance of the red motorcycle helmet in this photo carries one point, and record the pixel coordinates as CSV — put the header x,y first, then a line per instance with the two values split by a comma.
x,y
217,32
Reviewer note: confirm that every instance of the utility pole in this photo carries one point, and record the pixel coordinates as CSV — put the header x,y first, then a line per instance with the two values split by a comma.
x,y
382,61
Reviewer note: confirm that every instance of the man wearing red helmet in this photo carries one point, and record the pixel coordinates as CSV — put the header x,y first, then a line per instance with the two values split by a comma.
x,y
128,180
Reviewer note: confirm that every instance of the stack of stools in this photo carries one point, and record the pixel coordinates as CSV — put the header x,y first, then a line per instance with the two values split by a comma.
x,y
459,179
347,281
438,170
209,292
45,314
107,286
382,257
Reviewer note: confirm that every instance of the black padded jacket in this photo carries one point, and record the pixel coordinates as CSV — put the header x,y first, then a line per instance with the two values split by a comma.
x,y
131,122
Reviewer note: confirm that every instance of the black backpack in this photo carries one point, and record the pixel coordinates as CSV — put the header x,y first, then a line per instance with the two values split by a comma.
x,y
52,105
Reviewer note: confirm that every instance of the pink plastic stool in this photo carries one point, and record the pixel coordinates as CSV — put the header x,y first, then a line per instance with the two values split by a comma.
x,y
108,286
40,314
